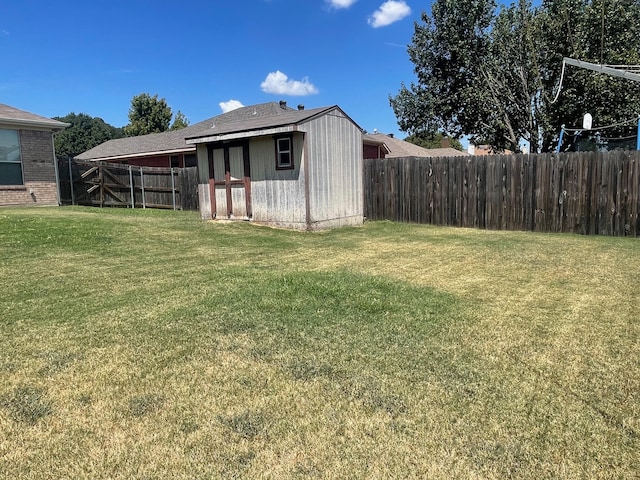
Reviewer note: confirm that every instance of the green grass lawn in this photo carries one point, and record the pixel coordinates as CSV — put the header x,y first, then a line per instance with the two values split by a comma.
x,y
151,344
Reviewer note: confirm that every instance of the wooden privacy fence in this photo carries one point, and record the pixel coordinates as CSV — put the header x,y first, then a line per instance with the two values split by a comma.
x,y
117,185
584,192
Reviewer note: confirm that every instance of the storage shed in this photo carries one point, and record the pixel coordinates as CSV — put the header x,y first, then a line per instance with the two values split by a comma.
x,y
298,169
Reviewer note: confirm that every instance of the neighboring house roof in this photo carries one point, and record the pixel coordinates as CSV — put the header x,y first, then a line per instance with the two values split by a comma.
x,y
486,150
15,116
369,139
375,138
143,145
280,122
399,148
173,141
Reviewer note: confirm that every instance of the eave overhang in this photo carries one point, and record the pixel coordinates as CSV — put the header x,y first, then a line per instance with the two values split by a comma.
x,y
186,149
226,137
57,126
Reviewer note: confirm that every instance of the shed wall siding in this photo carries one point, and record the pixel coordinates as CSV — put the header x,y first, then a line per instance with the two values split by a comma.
x,y
334,148
203,181
277,195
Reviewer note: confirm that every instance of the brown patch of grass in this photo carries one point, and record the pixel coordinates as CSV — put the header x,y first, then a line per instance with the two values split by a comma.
x,y
157,345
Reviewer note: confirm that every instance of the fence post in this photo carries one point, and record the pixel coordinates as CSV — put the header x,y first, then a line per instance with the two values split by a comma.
x,y
560,139
56,164
101,180
173,188
73,197
133,194
144,201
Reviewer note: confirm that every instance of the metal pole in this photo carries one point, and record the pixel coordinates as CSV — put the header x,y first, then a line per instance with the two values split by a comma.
x,y
101,178
616,72
133,194
73,197
173,188
55,167
144,201
560,139
638,136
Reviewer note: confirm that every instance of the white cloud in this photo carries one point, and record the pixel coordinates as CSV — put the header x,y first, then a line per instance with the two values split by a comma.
x,y
337,4
277,82
230,105
388,13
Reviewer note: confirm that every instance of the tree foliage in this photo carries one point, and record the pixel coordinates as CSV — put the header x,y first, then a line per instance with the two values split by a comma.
x,y
433,141
491,74
83,133
148,115
179,121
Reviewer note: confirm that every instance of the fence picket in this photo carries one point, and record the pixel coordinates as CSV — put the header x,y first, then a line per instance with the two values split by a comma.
x,y
118,185
583,192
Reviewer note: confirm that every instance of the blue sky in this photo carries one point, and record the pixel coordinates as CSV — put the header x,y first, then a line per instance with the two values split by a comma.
x,y
93,56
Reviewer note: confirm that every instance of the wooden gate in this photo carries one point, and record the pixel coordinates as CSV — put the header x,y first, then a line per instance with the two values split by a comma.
x,y
119,185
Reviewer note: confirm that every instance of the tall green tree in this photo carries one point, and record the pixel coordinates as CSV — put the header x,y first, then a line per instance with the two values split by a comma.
x,y
148,115
598,31
83,133
491,74
445,50
179,121
434,141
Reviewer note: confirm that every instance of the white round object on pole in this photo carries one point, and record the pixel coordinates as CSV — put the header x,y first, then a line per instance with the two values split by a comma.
x,y
587,121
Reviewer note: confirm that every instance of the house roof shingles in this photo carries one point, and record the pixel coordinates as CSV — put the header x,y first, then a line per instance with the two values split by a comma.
x,y
254,123
245,119
174,140
15,116
400,148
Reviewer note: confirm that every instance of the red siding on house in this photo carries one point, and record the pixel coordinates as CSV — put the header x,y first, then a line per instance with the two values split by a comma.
x,y
372,151
158,161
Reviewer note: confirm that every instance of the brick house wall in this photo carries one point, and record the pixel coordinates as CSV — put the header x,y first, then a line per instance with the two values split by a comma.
x,y
38,170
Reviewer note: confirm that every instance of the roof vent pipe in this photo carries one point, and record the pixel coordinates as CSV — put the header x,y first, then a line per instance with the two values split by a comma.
x,y
283,104
301,107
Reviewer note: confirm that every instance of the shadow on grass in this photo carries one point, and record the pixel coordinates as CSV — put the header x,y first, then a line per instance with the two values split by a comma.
x,y
142,405
26,404
291,303
246,424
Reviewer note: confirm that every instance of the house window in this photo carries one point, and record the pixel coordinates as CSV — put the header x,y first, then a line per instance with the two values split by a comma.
x,y
190,160
10,161
284,153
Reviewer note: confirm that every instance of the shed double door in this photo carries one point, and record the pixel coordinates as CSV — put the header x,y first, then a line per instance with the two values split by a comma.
x,y
230,180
